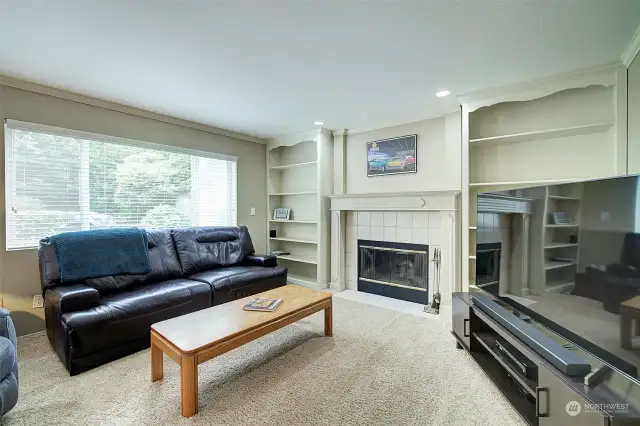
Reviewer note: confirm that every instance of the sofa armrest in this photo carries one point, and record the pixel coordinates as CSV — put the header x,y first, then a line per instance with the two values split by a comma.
x,y
71,298
266,260
6,326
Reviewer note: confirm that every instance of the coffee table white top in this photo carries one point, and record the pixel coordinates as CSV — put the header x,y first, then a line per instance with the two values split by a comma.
x,y
214,325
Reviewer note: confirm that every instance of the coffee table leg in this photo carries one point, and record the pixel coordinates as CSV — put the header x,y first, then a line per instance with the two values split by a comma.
x,y
189,385
156,361
328,321
625,330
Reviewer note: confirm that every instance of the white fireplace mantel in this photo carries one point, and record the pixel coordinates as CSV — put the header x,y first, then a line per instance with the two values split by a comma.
x,y
401,201
446,203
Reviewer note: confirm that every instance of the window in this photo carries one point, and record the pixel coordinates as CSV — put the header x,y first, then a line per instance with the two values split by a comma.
x,y
62,180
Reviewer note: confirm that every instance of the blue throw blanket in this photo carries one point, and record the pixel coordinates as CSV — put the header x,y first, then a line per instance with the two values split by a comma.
x,y
101,252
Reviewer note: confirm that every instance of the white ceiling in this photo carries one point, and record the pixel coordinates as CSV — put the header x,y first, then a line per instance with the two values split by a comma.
x,y
267,67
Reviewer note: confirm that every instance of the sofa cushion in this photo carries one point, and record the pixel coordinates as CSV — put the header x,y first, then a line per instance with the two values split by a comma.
x,y
128,315
236,276
236,282
204,248
163,260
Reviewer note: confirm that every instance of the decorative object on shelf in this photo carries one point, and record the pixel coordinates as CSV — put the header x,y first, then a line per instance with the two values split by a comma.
x,y
561,218
279,252
392,156
573,239
281,214
272,233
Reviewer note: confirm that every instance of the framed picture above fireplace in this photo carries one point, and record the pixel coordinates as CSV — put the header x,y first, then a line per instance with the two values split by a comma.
x,y
392,156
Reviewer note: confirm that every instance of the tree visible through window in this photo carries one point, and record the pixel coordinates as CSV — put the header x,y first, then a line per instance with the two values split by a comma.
x,y
59,183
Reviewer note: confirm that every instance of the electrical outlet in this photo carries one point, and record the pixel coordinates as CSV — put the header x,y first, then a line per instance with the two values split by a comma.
x,y
253,211
38,301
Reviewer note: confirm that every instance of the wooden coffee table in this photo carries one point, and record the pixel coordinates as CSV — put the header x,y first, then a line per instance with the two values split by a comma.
x,y
629,313
200,336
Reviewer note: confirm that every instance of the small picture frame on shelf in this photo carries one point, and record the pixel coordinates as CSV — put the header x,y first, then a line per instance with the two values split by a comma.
x,y
561,218
281,214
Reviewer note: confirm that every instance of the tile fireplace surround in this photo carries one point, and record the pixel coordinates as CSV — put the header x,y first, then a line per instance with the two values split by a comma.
x,y
428,218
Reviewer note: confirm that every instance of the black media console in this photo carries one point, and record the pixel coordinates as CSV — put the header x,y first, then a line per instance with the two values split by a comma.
x,y
543,380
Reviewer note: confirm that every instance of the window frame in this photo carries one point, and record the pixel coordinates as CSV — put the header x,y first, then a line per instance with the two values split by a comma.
x,y
9,189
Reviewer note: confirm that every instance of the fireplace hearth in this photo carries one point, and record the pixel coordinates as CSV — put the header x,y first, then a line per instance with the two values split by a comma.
x,y
397,270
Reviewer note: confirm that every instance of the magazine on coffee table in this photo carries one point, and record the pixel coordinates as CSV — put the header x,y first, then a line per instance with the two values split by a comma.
x,y
263,304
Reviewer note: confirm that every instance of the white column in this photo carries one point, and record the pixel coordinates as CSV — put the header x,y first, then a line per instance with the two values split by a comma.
x,y
448,247
340,162
338,279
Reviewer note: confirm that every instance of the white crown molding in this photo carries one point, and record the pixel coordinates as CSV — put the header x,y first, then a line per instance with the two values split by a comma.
x,y
100,103
373,129
604,74
632,49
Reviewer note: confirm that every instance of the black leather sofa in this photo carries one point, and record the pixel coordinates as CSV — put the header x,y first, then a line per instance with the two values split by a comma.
x,y
94,321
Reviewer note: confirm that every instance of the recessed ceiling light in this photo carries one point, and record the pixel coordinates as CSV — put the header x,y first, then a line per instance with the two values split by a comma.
x,y
319,123
443,93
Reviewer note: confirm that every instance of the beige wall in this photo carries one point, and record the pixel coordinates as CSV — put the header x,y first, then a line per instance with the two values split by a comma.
x,y
608,212
19,279
609,205
439,158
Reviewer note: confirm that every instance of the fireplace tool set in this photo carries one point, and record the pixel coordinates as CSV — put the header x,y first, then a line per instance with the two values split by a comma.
x,y
434,307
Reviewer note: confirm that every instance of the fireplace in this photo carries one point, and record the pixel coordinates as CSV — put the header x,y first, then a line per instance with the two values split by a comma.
x,y
397,270
488,267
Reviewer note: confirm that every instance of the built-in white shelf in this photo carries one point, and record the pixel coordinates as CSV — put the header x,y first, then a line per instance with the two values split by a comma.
x,y
300,259
561,197
558,285
487,284
559,245
543,134
293,193
293,166
568,225
308,222
293,240
299,175
302,280
552,264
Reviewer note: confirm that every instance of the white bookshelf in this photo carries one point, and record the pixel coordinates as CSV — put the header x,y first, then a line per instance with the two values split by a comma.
x,y
308,222
293,240
299,176
550,240
293,165
545,133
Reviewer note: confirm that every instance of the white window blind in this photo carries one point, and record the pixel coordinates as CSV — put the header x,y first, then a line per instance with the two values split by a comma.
x,y
61,180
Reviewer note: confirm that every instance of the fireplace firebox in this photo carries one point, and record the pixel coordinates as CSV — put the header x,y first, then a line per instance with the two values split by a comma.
x,y
396,270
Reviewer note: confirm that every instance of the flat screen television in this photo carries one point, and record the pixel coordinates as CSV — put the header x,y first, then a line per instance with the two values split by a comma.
x,y
568,255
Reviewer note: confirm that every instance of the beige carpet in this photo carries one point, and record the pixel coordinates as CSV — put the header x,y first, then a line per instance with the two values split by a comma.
x,y
382,368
